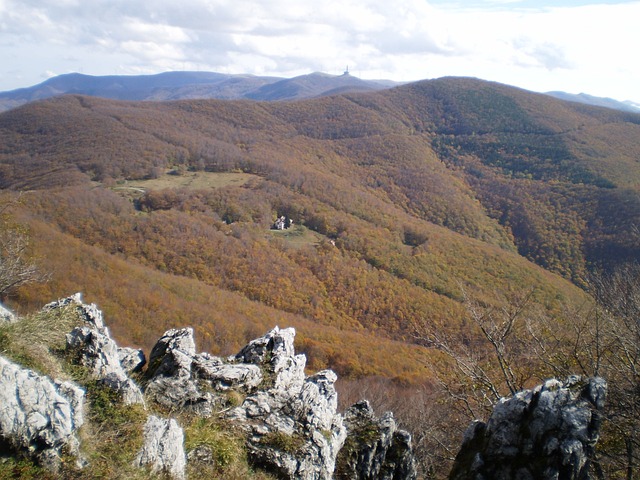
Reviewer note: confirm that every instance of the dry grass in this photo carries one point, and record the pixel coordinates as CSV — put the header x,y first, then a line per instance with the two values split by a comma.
x,y
34,340
190,180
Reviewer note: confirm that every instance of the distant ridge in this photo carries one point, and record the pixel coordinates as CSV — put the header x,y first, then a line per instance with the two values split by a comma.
x,y
186,85
191,85
626,106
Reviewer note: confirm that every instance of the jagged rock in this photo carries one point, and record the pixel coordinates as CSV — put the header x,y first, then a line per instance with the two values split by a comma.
x,y
276,343
6,315
293,424
163,448
546,433
91,315
171,380
173,354
291,420
96,350
99,354
180,378
131,359
37,415
224,377
317,403
374,448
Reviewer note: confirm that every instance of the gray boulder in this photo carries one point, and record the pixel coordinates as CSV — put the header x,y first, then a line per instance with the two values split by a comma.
x,y
546,433
163,448
374,448
173,353
293,425
94,349
180,378
39,416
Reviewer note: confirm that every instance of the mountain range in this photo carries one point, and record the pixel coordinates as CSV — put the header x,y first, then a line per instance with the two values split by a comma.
x,y
191,85
194,85
587,99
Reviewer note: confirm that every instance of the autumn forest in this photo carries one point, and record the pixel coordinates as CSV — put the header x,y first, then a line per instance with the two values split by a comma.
x,y
417,213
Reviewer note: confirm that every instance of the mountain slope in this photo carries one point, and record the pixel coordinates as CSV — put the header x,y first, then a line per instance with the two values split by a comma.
x,y
414,196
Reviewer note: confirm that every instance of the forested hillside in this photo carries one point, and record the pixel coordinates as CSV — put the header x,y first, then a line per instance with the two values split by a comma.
x,y
405,203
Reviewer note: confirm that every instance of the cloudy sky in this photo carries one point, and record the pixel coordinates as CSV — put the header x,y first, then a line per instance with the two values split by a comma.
x,y
569,45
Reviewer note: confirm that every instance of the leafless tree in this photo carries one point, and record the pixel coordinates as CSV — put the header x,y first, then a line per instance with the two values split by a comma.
x,y
17,266
487,363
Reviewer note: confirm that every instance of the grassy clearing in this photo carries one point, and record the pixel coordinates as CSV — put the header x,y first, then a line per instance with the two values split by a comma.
x,y
189,180
298,236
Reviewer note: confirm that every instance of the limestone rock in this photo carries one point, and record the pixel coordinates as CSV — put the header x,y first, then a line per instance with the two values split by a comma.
x,y
96,350
38,416
171,381
224,377
293,424
91,315
173,354
374,448
276,343
180,378
163,448
545,433
99,354
131,359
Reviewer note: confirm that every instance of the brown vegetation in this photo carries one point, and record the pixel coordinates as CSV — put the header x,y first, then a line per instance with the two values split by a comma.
x,y
410,200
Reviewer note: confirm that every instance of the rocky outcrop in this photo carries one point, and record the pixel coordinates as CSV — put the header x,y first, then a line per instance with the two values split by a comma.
x,y
545,433
93,348
180,378
375,448
131,359
37,415
163,449
290,420
293,424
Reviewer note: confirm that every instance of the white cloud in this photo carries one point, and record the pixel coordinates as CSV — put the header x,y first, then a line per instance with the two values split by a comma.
x,y
580,48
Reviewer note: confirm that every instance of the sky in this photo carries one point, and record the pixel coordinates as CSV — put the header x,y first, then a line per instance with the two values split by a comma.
x,y
576,46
